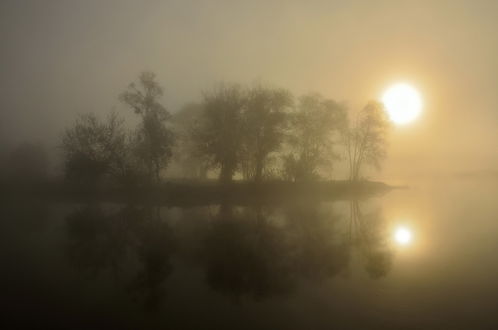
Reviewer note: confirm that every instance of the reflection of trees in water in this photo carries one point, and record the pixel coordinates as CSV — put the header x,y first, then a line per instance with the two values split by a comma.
x,y
253,252
154,248
97,240
245,255
367,232
100,240
316,247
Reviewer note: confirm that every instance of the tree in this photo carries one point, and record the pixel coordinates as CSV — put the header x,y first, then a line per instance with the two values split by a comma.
x,y
219,135
185,125
93,149
366,139
264,126
154,140
313,131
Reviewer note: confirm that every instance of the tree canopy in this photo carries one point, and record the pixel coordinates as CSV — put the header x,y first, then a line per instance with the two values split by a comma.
x,y
314,130
153,139
256,132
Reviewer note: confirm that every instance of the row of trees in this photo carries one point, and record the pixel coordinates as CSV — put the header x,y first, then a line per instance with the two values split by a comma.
x,y
258,132
95,149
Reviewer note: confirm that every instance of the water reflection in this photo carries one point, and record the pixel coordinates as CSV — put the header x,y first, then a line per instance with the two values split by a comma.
x,y
244,252
368,232
318,246
246,255
100,240
286,266
154,247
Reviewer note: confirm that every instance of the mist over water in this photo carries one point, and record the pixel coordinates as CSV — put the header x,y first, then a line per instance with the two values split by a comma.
x,y
248,165
264,266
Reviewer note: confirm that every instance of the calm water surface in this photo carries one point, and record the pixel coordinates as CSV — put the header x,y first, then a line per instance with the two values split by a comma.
x,y
422,258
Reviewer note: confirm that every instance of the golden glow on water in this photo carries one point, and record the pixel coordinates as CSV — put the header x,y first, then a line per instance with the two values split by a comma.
x,y
403,236
403,103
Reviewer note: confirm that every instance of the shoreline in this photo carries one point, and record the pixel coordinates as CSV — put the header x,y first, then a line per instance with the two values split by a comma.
x,y
198,193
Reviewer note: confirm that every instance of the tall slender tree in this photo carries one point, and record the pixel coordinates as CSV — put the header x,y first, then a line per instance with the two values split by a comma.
x,y
154,140
366,139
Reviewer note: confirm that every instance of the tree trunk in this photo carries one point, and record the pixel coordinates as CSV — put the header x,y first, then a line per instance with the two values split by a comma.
x,y
226,174
259,170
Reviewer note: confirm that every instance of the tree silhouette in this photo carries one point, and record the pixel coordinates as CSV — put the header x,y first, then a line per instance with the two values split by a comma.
x,y
366,139
153,140
219,135
256,131
264,124
93,149
312,136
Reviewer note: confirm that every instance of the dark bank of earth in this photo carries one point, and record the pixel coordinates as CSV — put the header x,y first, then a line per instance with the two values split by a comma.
x,y
185,193
243,193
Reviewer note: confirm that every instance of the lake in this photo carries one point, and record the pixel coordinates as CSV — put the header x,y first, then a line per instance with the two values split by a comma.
x,y
418,258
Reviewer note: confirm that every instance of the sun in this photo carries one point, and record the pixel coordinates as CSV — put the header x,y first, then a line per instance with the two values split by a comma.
x,y
403,103
403,236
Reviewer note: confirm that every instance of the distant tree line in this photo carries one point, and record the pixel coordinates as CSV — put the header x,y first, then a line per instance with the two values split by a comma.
x,y
255,132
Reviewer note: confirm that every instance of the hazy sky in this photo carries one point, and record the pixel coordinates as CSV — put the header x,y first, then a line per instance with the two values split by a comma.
x,y
59,58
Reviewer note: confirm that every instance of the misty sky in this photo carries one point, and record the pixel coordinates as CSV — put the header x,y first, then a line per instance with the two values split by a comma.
x,y
60,58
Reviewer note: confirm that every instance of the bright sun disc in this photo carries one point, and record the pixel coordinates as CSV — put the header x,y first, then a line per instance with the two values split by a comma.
x,y
403,236
402,102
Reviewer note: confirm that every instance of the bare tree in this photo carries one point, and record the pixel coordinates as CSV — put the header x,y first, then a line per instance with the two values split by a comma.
x,y
314,129
154,140
264,126
366,139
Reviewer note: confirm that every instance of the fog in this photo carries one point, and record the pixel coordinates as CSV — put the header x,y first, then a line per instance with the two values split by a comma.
x,y
60,58
243,164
